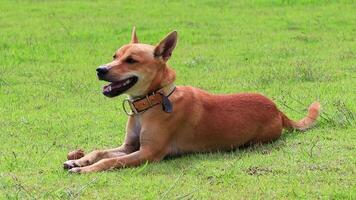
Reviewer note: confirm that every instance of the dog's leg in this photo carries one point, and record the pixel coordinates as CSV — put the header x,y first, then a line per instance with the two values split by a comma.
x,y
134,159
95,156
130,145
154,145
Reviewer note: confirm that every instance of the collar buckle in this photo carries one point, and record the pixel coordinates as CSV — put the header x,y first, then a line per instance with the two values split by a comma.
x,y
132,107
149,100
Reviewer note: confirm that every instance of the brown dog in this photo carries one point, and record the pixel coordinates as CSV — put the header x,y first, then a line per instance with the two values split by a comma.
x,y
169,120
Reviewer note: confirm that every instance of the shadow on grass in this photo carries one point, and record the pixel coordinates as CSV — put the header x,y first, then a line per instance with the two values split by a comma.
x,y
189,160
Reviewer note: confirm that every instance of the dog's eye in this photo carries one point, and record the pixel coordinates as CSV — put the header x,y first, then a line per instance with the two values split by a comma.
x,y
130,60
114,56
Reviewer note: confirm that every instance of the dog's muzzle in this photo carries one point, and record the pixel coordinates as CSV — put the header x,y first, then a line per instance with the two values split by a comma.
x,y
102,71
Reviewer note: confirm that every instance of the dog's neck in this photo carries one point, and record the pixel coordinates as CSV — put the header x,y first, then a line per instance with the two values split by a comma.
x,y
162,82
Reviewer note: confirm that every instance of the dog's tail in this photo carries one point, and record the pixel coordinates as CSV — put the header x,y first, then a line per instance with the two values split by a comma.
x,y
305,123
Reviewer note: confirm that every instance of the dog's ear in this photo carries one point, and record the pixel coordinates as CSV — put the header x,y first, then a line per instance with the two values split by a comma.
x,y
134,38
165,48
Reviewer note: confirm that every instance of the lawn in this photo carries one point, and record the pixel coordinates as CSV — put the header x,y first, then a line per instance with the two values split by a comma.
x,y
295,52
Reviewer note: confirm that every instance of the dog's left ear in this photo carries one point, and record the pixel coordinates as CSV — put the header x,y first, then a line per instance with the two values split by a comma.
x,y
165,48
134,38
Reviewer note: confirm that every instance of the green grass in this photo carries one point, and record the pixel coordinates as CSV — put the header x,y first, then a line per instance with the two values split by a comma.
x,y
292,51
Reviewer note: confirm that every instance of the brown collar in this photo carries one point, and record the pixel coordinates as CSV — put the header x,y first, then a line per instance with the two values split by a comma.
x,y
140,105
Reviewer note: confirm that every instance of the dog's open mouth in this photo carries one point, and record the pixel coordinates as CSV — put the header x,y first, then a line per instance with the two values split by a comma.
x,y
118,87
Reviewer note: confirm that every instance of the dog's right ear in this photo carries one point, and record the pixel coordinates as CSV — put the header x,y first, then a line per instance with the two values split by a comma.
x,y
165,48
134,38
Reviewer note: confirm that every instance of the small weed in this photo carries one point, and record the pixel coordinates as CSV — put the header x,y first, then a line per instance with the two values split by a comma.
x,y
306,38
197,61
305,74
258,171
306,71
341,116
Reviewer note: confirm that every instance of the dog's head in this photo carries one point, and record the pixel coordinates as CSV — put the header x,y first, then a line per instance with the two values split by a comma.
x,y
138,69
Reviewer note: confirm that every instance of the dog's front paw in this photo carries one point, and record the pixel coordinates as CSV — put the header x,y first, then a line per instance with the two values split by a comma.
x,y
70,164
75,170
82,170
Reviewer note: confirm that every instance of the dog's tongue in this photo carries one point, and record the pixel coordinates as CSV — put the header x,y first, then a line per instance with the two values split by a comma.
x,y
107,88
118,87
114,86
111,86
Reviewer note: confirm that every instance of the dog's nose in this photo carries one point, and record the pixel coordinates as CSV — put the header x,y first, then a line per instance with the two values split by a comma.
x,y
102,70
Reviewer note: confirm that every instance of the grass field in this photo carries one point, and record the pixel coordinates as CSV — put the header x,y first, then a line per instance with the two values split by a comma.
x,y
292,51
